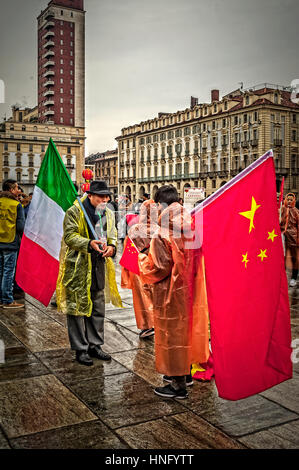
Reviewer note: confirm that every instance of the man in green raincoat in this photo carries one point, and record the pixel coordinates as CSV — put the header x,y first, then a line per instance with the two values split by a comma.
x,y
85,264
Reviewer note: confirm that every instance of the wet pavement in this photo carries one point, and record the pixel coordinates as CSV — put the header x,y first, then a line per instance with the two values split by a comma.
x,y
49,401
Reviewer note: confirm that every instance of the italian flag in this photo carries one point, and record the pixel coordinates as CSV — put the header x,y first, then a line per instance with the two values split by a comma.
x,y
38,261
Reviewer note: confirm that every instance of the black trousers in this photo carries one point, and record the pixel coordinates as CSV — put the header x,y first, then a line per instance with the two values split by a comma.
x,y
88,331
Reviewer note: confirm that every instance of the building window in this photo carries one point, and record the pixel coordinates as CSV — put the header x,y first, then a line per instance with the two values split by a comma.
x,y
61,100
69,150
247,100
236,120
294,136
245,118
276,98
61,80
61,32
61,70
255,116
30,148
61,42
294,118
61,90
18,147
18,177
61,12
12,127
61,110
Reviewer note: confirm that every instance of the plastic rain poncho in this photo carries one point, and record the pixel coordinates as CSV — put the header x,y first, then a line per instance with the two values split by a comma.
x,y
74,279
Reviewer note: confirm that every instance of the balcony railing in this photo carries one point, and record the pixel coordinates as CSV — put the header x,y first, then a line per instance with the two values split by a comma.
x,y
49,93
235,145
48,83
282,171
49,24
50,63
50,14
49,44
49,103
48,54
244,144
49,34
49,113
278,142
254,142
49,73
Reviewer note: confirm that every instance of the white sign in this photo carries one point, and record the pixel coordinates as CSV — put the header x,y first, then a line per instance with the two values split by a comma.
x,y
193,196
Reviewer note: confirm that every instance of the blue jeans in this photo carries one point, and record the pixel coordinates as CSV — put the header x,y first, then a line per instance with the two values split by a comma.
x,y
8,261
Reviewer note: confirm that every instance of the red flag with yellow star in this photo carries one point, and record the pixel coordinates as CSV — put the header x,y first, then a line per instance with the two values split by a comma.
x,y
129,259
246,283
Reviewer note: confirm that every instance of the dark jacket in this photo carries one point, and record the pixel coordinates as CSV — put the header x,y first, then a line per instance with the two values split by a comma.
x,y
12,222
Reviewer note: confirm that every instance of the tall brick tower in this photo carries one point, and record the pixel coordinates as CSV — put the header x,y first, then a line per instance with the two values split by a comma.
x,y
61,63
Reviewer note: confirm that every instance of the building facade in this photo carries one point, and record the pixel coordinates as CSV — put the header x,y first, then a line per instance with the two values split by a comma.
x,y
60,112
105,167
209,143
61,63
24,141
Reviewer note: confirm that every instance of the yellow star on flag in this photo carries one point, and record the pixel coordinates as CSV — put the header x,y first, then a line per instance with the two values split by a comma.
x,y
262,255
272,235
245,260
250,214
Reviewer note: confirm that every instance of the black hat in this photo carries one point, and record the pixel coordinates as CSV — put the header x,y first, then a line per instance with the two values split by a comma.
x,y
99,187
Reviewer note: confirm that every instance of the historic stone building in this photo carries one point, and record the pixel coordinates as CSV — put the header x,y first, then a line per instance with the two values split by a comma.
x,y
105,167
61,63
60,112
209,143
23,142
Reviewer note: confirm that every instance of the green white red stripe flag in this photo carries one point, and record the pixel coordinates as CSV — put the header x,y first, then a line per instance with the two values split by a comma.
x,y
38,261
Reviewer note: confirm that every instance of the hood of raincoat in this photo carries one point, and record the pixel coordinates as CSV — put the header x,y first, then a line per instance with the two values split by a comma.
x,y
143,232
176,222
286,200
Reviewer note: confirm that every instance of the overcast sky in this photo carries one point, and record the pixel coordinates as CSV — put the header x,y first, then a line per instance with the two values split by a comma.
x,y
143,57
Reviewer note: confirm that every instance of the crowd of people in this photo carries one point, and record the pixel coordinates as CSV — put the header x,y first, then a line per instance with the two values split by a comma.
x,y
159,229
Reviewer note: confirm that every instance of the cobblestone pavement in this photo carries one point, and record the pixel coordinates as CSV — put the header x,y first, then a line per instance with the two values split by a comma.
x,y
49,401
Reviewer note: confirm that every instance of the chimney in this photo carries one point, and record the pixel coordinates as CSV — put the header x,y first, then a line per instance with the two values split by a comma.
x,y
194,102
214,95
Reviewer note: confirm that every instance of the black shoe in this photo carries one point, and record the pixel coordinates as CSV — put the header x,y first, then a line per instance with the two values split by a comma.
x,y
169,392
189,381
83,358
98,353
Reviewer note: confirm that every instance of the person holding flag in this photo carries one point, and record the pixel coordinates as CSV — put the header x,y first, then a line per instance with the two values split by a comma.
x,y
138,240
289,226
59,241
81,280
169,265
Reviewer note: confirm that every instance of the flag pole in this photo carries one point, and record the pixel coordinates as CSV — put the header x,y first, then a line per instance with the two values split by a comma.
x,y
87,219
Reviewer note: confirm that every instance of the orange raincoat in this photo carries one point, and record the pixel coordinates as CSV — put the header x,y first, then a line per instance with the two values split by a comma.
x,y
141,235
179,295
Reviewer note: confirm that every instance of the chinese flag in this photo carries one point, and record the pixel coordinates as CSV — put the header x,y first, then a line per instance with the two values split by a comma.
x,y
246,283
129,259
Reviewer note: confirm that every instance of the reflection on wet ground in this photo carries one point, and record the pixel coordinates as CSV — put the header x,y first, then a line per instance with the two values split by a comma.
x,y
49,401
